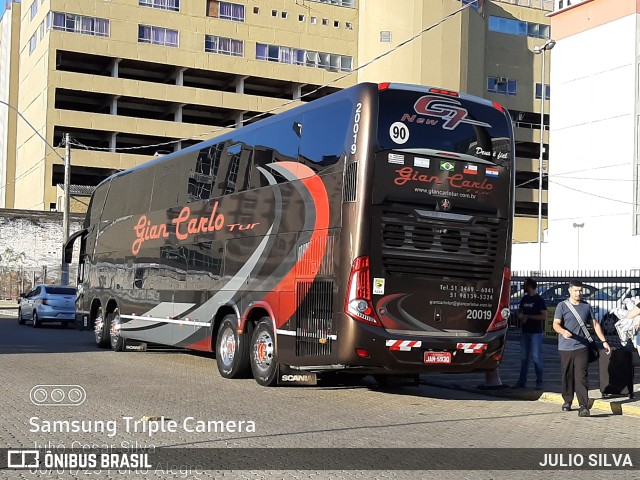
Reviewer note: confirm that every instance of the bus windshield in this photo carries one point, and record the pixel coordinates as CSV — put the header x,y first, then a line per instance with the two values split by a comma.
x,y
464,127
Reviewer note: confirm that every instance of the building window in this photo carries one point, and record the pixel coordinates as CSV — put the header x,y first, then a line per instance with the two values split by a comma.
x,y
256,10
34,9
296,56
173,5
274,13
518,27
33,41
225,10
285,14
69,22
42,29
157,36
336,23
325,21
348,25
547,91
502,85
223,46
301,17
314,20
340,3
385,36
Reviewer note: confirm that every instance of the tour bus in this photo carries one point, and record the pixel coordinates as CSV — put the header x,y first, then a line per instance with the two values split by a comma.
x,y
366,232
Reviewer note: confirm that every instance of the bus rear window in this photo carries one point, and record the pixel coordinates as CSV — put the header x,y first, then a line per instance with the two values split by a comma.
x,y
410,120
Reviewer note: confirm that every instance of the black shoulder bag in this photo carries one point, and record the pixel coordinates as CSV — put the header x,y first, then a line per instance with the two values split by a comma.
x,y
594,352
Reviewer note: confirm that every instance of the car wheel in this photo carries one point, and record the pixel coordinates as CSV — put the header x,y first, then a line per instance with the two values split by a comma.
x,y
101,329
35,321
115,324
264,361
20,319
232,349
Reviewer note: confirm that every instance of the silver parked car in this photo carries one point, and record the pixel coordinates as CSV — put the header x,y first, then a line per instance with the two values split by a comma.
x,y
48,303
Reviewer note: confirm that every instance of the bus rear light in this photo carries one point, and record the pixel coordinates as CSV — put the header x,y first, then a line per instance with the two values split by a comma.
x,y
384,85
358,302
362,352
501,319
498,107
444,92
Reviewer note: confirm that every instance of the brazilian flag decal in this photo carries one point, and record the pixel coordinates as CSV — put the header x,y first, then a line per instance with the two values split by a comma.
x,y
447,166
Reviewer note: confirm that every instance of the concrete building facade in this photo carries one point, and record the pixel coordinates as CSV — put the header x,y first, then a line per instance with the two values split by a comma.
x,y
593,178
130,78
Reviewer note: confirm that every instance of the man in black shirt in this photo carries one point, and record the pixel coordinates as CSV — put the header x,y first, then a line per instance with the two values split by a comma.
x,y
532,314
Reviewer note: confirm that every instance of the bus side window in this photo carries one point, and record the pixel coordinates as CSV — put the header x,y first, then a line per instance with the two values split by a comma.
x,y
325,133
203,176
274,143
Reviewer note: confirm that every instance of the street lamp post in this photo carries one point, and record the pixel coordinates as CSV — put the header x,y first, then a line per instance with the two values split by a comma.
x,y
548,45
578,226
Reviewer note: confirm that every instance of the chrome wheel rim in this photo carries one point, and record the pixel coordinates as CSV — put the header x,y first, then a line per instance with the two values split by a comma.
x,y
227,346
97,326
263,351
116,325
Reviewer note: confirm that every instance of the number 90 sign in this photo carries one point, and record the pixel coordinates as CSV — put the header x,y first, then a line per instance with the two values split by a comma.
x,y
399,132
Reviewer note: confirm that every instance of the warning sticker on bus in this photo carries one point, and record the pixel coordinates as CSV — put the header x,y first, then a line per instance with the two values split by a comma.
x,y
437,357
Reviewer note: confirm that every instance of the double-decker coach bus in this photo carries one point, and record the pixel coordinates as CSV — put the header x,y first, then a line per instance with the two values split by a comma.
x,y
368,231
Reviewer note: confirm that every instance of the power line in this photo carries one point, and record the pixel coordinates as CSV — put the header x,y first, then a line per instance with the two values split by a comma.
x,y
593,194
33,167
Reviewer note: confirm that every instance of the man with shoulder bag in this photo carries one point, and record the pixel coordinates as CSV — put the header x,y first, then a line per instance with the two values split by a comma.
x,y
574,344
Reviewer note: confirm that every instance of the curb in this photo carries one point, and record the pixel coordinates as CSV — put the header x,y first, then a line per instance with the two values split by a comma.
x,y
616,406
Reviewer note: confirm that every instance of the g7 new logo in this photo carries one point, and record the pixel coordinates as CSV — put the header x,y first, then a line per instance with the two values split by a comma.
x,y
446,108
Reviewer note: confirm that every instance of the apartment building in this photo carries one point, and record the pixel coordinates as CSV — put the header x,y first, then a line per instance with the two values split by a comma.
x,y
134,77
9,62
128,79
486,51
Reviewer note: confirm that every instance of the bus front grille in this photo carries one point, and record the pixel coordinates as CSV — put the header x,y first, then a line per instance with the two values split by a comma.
x,y
439,248
313,317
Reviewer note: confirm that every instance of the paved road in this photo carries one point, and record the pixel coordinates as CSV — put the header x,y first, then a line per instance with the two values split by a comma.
x,y
177,385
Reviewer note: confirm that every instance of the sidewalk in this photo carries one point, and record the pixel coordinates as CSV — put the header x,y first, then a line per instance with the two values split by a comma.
x,y
510,371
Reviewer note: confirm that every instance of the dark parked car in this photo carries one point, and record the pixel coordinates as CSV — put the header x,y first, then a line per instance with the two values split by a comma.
x,y
560,292
48,303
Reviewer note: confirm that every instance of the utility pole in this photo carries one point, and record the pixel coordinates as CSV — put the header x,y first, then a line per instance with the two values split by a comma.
x,y
65,208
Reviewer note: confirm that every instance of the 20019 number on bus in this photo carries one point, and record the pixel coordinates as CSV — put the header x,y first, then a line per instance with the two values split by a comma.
x,y
366,232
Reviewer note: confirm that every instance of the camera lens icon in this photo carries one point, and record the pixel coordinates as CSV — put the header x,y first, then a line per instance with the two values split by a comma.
x,y
58,395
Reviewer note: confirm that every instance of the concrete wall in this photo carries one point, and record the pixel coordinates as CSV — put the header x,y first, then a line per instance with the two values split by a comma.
x,y
33,239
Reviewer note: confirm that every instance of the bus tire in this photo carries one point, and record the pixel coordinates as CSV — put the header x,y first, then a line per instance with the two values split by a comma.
x,y
115,340
232,349
101,329
264,361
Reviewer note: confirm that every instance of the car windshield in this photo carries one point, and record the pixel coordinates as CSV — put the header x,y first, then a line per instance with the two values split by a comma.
x,y
611,293
60,290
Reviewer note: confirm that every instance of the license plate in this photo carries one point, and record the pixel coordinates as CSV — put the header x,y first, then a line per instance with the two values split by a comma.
x,y
437,357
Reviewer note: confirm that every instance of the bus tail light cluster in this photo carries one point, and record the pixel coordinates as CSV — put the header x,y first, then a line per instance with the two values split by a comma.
x,y
502,315
358,302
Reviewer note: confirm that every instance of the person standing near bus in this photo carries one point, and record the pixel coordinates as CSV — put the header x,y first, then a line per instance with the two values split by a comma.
x,y
532,314
573,347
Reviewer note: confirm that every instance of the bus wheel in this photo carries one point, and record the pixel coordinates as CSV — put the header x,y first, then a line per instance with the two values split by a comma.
x,y
115,323
264,364
232,349
101,329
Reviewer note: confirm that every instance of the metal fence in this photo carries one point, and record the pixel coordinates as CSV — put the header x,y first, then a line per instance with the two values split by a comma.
x,y
605,291
15,280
